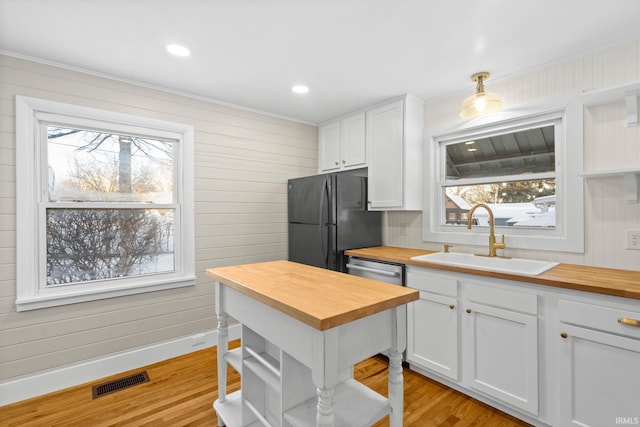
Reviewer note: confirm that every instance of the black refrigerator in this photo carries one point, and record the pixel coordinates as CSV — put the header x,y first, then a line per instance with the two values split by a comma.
x,y
328,215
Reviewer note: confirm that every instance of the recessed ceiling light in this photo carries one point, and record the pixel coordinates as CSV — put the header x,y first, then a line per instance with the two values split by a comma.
x,y
300,89
178,50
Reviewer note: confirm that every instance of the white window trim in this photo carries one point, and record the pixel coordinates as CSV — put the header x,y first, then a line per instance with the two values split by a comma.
x,y
568,236
29,245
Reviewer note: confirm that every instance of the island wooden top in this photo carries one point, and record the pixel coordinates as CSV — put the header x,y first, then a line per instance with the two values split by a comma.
x,y
607,281
320,298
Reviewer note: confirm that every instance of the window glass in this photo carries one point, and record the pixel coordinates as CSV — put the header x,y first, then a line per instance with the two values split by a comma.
x,y
96,244
514,204
92,166
513,173
515,153
85,167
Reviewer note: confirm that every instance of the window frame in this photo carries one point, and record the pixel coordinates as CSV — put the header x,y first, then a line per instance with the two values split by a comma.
x,y
568,235
32,114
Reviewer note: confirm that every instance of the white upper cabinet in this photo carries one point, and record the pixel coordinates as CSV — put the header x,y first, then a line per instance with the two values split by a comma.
x,y
394,141
353,151
386,139
329,146
342,144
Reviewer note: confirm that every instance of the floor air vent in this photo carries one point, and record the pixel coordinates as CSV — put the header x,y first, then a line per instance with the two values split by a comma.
x,y
120,384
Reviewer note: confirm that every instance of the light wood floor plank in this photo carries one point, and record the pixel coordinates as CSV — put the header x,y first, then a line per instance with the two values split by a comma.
x,y
181,392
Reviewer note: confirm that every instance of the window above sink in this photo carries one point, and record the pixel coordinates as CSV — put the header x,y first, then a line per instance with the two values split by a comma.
x,y
526,168
513,171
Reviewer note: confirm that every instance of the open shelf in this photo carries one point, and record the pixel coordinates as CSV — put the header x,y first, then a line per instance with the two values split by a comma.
x,y
354,405
630,180
234,358
261,418
265,367
230,412
627,92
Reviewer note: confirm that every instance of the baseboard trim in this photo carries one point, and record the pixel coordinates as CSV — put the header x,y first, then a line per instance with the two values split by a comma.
x,y
47,382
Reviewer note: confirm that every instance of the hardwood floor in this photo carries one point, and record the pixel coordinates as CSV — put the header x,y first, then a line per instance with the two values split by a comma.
x,y
181,392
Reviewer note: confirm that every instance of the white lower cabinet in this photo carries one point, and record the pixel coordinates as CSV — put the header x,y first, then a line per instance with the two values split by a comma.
x,y
432,326
481,336
599,360
550,356
500,345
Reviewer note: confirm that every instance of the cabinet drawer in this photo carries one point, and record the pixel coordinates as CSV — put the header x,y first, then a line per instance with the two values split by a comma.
x,y
434,283
514,300
602,318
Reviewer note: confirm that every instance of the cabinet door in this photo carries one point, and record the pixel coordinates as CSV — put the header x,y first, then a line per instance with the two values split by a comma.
x,y
432,334
386,159
352,142
501,355
599,378
329,147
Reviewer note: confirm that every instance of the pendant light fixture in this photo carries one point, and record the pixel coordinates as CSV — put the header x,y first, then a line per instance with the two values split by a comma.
x,y
481,102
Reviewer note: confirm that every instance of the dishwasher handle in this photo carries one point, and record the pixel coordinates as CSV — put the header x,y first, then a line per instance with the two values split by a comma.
x,y
374,270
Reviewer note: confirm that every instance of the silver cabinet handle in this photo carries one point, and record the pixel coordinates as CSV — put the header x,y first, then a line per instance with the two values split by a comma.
x,y
629,322
374,270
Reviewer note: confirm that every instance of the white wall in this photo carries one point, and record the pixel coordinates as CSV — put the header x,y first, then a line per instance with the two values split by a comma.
x,y
608,144
242,162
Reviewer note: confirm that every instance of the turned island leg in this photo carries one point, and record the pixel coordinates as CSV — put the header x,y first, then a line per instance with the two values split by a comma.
x,y
396,389
324,414
395,378
223,348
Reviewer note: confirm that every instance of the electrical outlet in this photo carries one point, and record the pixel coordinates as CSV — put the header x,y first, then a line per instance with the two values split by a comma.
x,y
198,339
633,239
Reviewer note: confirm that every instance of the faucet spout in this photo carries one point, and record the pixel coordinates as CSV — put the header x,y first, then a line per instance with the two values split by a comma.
x,y
492,237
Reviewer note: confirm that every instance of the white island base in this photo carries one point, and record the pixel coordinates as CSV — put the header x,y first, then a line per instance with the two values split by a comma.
x,y
293,374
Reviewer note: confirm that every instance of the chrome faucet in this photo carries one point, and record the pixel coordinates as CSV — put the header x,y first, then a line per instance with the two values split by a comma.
x,y
492,237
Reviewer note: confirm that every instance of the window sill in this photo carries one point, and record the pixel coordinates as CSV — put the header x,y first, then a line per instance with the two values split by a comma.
x,y
72,297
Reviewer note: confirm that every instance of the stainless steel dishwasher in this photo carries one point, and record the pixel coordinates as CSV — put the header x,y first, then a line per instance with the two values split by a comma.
x,y
377,270
388,272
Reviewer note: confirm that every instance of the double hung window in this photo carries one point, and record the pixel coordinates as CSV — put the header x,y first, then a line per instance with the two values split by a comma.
x,y
105,204
520,169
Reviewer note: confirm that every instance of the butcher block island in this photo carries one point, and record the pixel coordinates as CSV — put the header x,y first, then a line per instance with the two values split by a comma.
x,y
303,330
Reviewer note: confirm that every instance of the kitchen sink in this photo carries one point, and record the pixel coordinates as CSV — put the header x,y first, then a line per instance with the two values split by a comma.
x,y
527,267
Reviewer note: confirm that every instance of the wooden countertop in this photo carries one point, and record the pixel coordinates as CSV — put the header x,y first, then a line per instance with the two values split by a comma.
x,y
320,298
608,281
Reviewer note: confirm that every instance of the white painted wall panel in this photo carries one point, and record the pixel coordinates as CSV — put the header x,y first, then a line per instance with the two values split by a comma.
x,y
242,161
608,144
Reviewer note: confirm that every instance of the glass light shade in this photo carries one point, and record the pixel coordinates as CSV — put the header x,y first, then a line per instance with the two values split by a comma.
x,y
479,104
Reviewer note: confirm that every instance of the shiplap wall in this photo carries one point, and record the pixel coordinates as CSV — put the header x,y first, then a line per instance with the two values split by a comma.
x,y
242,161
608,144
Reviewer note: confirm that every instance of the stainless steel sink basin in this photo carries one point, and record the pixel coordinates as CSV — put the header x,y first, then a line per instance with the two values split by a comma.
x,y
527,267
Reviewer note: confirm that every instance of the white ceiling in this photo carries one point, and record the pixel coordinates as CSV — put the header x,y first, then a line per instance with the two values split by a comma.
x,y
351,53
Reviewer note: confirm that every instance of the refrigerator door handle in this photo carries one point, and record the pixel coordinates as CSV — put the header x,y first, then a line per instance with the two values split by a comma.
x,y
321,224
